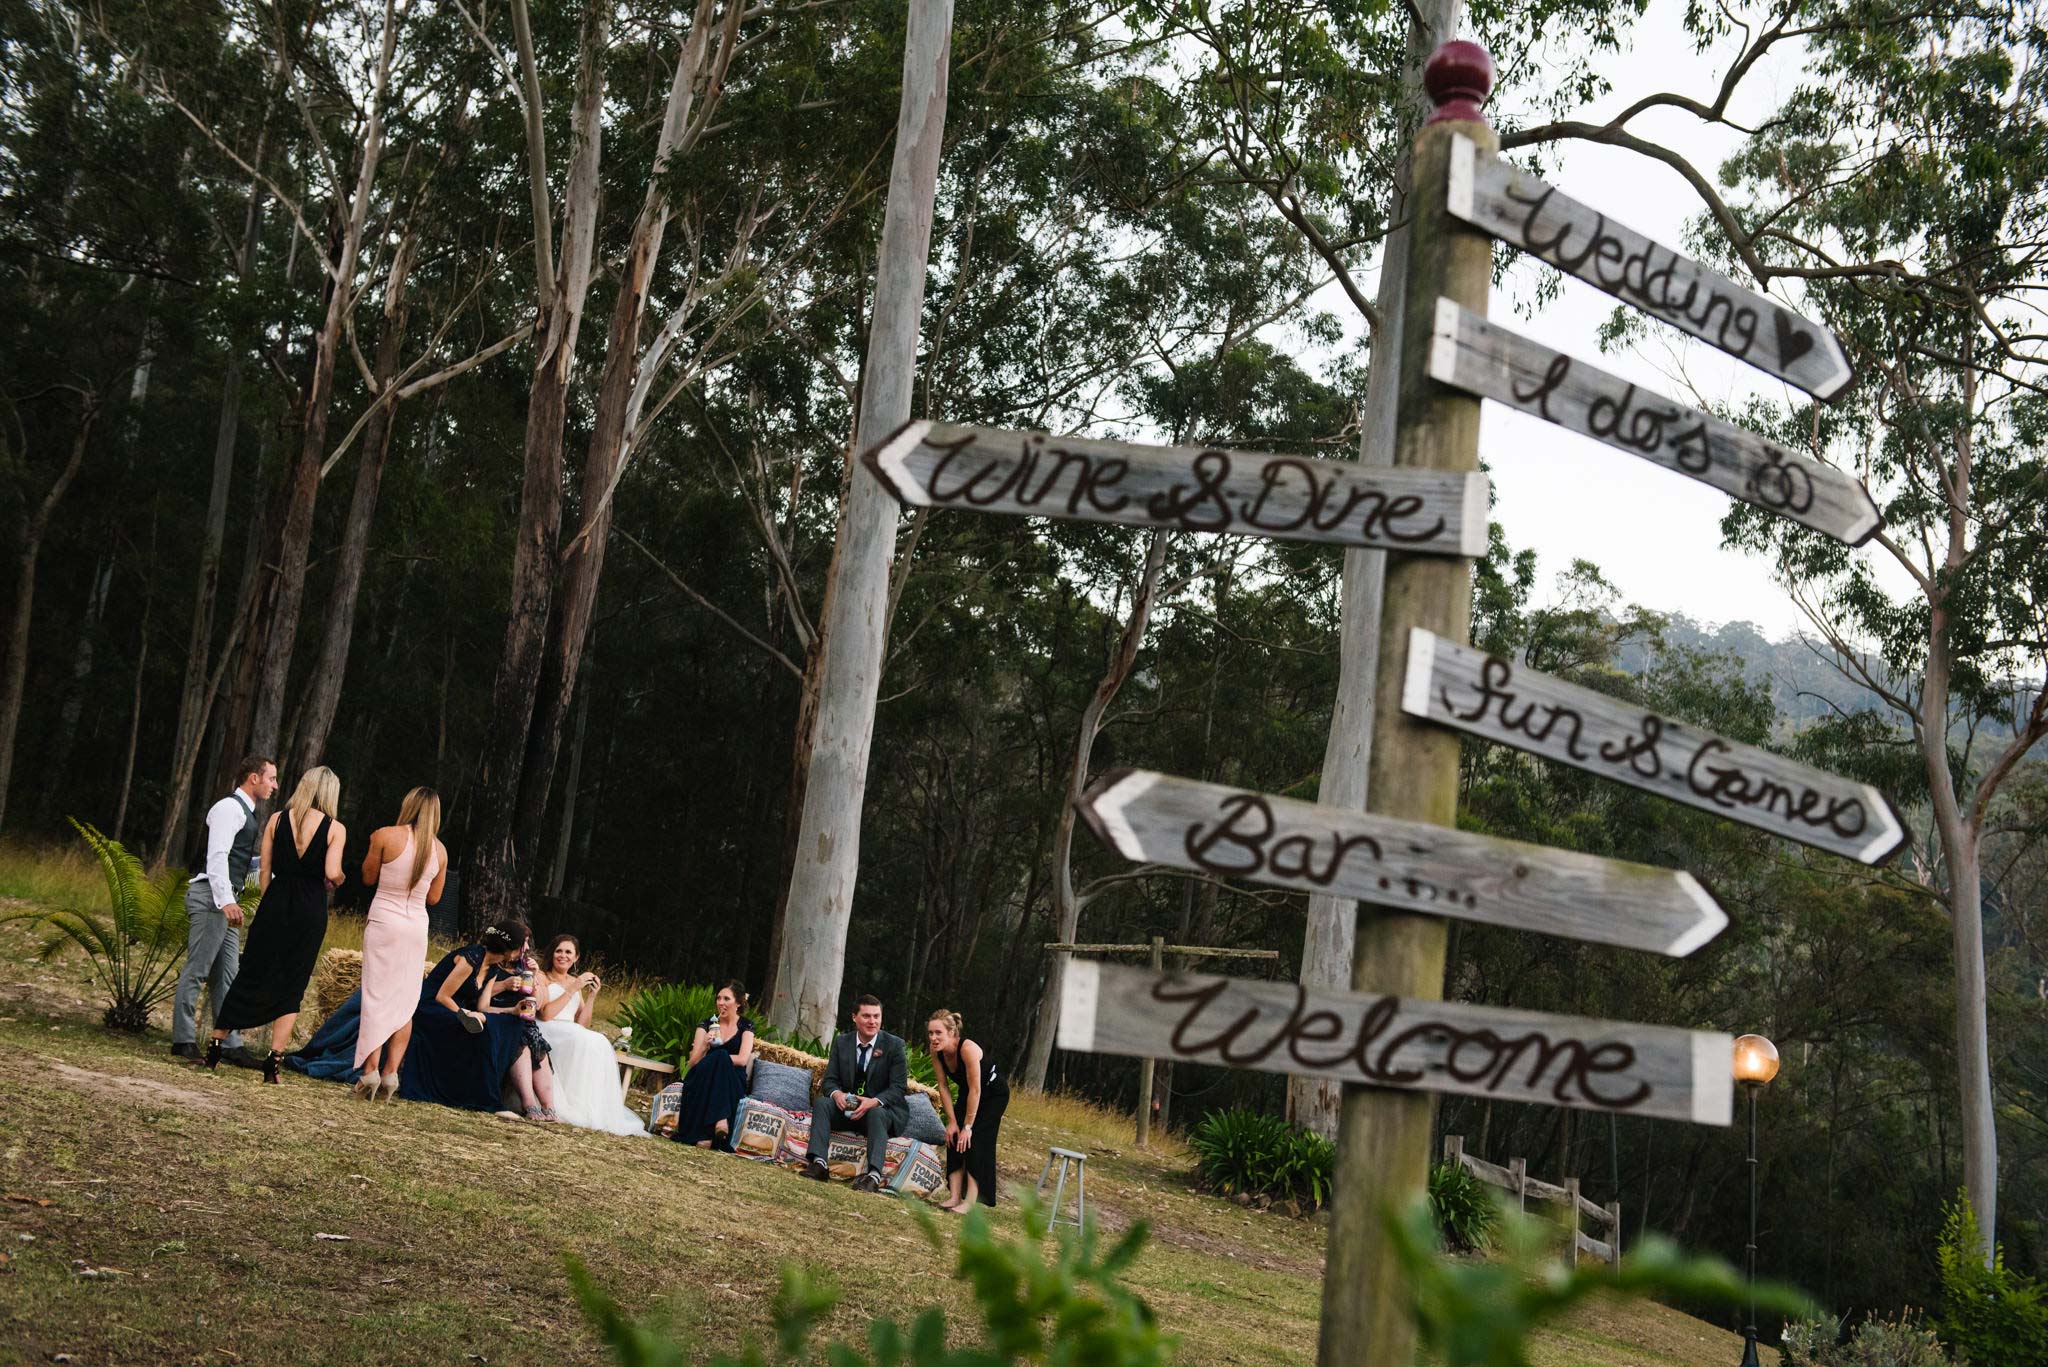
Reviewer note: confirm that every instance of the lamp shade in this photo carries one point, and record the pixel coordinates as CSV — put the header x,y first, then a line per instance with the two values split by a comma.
x,y
1756,1060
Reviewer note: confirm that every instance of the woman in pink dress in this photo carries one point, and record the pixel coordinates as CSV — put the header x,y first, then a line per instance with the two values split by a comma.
x,y
406,865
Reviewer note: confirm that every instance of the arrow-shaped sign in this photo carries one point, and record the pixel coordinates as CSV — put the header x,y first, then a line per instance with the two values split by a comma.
x,y
1188,488
1159,819
1460,687
1474,355
1405,1042
1523,212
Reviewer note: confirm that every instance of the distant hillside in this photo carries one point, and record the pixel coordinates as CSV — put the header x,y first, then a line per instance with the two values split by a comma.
x,y
1804,685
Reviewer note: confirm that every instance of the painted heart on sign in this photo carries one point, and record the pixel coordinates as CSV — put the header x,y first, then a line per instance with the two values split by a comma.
x,y
1793,341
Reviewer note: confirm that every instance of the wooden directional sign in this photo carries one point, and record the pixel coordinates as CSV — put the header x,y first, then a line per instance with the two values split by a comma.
x,y
1412,1043
1156,818
1469,353
1485,695
1189,488
1523,212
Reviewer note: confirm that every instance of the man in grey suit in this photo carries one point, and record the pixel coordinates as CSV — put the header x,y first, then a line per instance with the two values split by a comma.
x,y
213,935
865,1090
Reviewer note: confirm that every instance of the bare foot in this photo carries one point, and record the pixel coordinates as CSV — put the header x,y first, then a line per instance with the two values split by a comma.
x,y
703,1143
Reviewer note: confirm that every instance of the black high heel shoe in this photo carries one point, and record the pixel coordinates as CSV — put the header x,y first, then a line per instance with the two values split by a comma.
x,y
212,1060
270,1066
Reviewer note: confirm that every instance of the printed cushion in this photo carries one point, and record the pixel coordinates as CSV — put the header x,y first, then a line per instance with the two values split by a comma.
x,y
925,1125
909,1167
758,1130
666,1110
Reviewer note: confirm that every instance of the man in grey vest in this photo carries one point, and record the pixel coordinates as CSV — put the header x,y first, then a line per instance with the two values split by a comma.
x,y
213,942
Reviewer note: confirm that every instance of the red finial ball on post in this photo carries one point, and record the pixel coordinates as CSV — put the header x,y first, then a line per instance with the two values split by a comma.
x,y
1458,77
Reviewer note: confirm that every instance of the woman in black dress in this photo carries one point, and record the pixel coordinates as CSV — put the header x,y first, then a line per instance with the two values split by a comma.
x,y
465,1049
973,1117
717,1077
301,865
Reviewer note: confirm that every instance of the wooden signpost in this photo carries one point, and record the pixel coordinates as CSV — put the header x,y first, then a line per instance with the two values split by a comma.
x,y
1455,685
1408,1043
1158,949
1497,364
1187,488
1523,212
1412,865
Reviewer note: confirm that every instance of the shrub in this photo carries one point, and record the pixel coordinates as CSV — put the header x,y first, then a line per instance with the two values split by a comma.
x,y
1876,1343
664,1019
1464,1206
1482,1312
1989,1314
1070,1308
1262,1155
134,948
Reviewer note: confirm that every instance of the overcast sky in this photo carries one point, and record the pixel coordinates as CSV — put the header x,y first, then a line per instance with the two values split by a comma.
x,y
1655,533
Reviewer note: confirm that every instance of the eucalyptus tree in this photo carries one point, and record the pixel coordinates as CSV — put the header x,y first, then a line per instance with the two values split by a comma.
x,y
1905,182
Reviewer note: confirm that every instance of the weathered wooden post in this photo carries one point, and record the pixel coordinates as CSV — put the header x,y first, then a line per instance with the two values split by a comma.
x,y
1383,1134
1613,1213
1518,1173
1145,1068
1571,1221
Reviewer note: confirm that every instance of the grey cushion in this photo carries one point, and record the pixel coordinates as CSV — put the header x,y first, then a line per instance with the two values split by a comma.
x,y
925,1125
778,1084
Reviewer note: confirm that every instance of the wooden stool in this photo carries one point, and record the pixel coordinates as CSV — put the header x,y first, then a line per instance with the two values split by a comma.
x,y
629,1064
1079,1161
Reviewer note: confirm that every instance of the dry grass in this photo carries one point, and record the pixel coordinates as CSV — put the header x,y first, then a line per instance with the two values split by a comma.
x,y
185,1214
59,877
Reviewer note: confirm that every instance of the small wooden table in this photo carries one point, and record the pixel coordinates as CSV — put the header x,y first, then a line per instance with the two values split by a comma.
x,y
631,1064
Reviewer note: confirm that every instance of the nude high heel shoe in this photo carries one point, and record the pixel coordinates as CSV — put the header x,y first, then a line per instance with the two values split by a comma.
x,y
366,1086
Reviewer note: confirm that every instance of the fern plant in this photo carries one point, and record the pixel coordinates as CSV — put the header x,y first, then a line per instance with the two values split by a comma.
x,y
1262,1155
664,1019
1464,1206
135,946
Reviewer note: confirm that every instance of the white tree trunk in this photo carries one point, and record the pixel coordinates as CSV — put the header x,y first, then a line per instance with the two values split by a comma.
x,y
1332,927
813,958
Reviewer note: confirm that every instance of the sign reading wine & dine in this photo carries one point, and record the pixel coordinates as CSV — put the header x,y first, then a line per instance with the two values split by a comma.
x,y
1457,686
1401,1042
1193,489
1280,842
1524,212
1474,355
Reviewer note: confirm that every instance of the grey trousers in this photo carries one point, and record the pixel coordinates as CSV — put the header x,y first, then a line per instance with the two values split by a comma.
x,y
213,951
875,1124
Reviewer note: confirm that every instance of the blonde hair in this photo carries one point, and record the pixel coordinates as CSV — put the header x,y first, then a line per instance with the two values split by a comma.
x,y
951,1018
421,810
319,790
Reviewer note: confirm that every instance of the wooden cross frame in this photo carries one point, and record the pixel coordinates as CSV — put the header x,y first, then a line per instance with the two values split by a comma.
x,y
1158,949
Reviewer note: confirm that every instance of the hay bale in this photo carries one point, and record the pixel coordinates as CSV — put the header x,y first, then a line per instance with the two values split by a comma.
x,y
797,1058
339,973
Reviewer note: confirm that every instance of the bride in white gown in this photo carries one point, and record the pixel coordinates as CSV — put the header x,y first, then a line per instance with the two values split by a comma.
x,y
586,1073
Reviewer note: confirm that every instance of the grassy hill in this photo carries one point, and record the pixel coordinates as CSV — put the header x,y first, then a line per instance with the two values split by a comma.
x,y
157,1213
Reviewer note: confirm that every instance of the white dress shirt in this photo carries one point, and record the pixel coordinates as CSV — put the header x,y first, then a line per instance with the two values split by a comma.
x,y
224,821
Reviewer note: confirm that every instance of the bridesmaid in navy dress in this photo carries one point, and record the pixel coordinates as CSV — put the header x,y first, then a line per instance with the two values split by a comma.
x,y
717,1078
974,1114
462,1052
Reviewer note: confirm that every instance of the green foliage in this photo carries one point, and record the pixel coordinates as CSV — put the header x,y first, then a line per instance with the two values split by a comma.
x,y
1262,1155
1903,1342
1989,1313
1474,1313
134,947
1465,1207
664,1019
1067,1308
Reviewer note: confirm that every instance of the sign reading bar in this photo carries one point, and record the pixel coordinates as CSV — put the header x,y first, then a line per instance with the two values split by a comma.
x,y
1469,353
1431,1046
1185,824
1457,686
1523,212
1188,488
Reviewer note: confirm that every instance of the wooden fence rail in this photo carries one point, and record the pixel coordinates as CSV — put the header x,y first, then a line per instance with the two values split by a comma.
x,y
1515,1178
